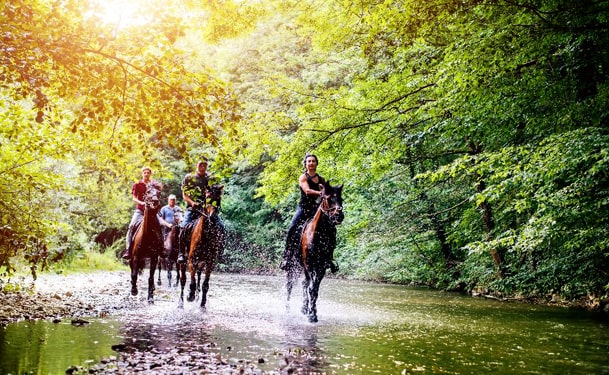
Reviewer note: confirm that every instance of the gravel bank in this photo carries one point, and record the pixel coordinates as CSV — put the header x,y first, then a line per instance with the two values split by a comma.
x,y
61,297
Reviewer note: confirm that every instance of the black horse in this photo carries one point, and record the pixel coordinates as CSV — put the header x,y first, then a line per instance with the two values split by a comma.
x,y
172,249
147,240
207,241
317,241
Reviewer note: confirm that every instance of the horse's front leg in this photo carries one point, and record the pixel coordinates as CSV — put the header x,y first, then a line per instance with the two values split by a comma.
x,y
169,267
205,286
314,293
292,276
199,272
181,274
134,272
193,283
177,273
153,264
305,294
160,267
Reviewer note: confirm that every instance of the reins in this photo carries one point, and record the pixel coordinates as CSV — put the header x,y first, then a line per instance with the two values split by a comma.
x,y
326,209
204,209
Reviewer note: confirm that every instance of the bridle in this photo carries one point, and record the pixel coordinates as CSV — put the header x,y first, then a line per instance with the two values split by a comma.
x,y
152,197
209,203
330,211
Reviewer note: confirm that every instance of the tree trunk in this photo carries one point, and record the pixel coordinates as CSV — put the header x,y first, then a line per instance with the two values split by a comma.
x,y
487,213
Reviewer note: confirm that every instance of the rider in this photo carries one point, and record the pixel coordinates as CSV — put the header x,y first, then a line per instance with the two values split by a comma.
x,y
310,190
194,187
168,215
138,191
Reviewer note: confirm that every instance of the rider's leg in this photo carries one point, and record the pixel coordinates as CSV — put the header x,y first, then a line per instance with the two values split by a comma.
x,y
291,240
137,215
183,237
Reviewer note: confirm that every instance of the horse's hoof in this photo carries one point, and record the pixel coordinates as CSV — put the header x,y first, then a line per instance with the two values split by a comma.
x,y
191,297
150,301
304,311
313,319
134,292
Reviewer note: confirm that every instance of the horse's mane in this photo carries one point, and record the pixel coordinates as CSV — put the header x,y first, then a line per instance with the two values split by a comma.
x,y
329,189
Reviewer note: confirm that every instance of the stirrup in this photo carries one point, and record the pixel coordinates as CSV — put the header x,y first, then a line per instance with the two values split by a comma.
x,y
181,258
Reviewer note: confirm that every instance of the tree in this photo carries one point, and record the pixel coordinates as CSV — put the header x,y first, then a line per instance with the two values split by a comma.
x,y
86,103
463,84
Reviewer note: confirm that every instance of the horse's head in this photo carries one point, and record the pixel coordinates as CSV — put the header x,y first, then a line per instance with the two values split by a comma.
x,y
177,217
213,196
332,203
152,198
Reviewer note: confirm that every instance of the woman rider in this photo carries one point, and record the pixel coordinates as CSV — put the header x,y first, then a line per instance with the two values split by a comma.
x,y
310,190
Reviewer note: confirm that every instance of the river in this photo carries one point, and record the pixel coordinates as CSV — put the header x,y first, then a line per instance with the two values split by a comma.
x,y
363,328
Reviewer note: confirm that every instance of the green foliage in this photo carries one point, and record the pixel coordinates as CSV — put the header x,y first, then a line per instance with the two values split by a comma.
x,y
256,230
470,136
86,103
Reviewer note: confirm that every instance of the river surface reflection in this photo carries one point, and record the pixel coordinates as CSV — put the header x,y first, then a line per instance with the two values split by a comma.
x,y
364,328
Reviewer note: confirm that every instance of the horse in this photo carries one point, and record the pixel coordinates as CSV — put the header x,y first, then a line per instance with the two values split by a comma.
x,y
172,249
207,241
147,240
317,242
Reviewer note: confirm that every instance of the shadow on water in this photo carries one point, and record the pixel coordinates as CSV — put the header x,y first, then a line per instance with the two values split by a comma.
x,y
364,328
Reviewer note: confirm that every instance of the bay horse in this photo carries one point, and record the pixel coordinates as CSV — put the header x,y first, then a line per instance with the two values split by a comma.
x,y
317,242
171,245
207,241
147,240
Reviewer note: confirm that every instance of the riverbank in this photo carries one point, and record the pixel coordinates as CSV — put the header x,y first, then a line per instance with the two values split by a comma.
x,y
54,296
76,297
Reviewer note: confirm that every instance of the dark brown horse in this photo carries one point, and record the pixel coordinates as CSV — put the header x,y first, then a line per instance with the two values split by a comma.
x,y
317,243
147,240
207,242
171,245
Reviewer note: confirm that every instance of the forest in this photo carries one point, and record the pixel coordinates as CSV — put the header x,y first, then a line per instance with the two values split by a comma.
x,y
471,136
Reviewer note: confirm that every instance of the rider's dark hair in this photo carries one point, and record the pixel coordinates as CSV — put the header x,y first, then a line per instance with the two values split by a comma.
x,y
304,161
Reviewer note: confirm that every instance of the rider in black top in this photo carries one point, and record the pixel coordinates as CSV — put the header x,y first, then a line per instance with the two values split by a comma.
x,y
310,190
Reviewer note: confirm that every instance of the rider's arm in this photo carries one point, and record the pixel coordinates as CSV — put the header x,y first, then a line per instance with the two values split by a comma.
x,y
134,194
162,220
188,199
304,185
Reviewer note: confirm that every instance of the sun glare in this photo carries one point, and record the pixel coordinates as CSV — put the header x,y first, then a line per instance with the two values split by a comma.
x,y
122,13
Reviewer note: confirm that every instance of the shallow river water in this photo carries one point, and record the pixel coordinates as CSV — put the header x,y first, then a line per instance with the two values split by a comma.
x,y
364,328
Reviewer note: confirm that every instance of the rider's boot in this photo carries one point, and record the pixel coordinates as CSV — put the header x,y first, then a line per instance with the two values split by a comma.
x,y
127,254
333,266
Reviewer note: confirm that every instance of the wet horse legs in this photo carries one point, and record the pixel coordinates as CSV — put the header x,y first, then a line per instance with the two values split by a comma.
x,y
153,264
310,292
